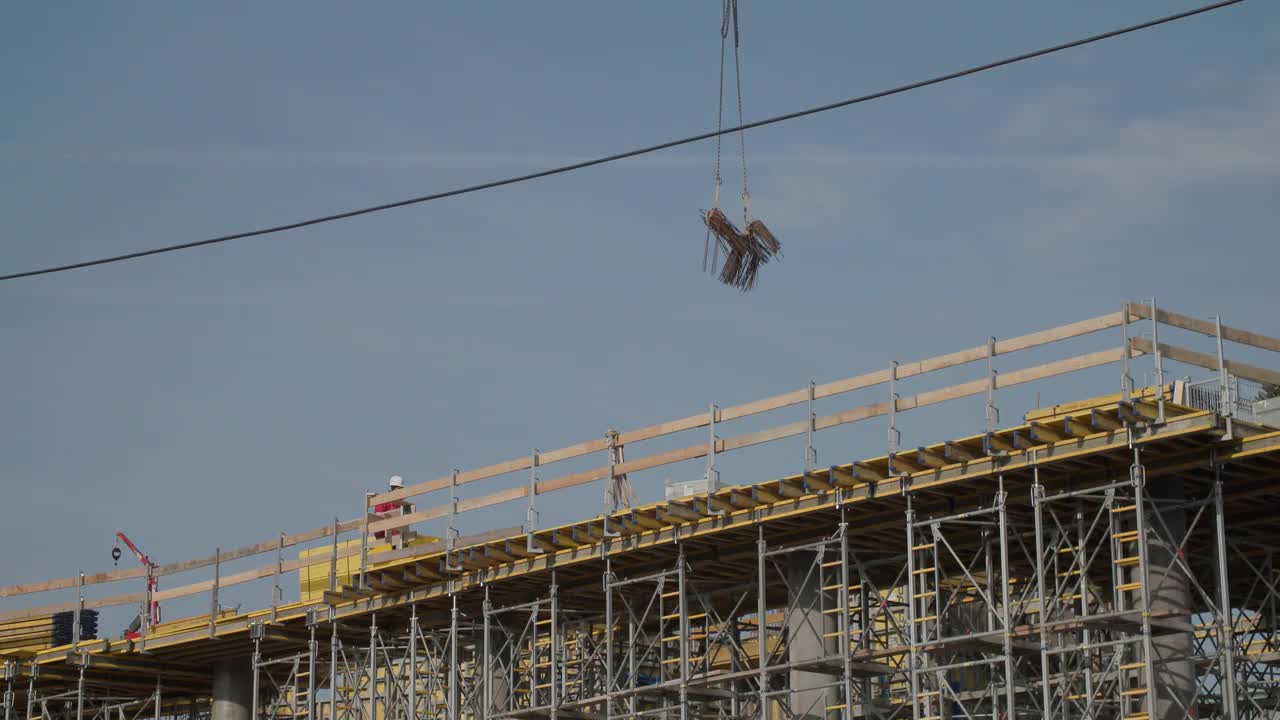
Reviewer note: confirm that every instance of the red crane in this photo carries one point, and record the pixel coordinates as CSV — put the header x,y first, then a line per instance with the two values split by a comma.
x,y
150,606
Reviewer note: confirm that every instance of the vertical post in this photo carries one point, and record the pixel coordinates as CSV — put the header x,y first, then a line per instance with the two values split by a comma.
x,y
554,657
846,650
762,626
1157,362
1226,399
158,698
1137,476
454,676
1005,610
608,637
80,691
1126,378
1083,588
364,539
312,648
373,667
486,610
1037,503
683,601
451,534
610,491
333,666
912,629
213,591
712,474
894,436
277,593
1226,642
993,413
810,454
531,519
257,658
31,691
8,691
149,607
333,559
79,612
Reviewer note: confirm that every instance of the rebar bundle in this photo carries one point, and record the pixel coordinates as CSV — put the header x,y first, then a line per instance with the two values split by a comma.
x,y
744,252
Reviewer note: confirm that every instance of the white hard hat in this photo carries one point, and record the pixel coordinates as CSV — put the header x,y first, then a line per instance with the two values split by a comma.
x,y
397,481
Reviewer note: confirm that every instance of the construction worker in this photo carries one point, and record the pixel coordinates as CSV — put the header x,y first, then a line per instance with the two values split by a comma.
x,y
392,509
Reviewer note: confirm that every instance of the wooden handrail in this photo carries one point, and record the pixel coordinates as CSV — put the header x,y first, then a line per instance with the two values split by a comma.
x,y
863,412
256,573
1205,327
788,399
1210,362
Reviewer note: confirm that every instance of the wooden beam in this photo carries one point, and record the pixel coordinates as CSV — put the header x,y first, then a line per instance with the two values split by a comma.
x,y
993,443
764,495
789,489
930,458
1076,427
815,483
563,540
1210,362
1042,433
645,520
1104,421
740,500
955,452
1205,327
682,512
843,477
868,473
719,504
905,463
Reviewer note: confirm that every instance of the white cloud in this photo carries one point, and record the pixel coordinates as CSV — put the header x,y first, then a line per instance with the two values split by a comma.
x,y
1139,168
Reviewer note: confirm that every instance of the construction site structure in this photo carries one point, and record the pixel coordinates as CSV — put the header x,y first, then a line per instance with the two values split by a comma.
x,y
1111,557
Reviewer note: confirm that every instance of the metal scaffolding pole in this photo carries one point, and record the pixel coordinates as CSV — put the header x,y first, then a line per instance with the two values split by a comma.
x,y
1226,640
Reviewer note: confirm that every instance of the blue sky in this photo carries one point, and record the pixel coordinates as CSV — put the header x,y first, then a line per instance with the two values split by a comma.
x,y
218,396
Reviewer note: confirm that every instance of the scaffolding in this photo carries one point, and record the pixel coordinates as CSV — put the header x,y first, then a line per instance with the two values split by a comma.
x,y
1112,558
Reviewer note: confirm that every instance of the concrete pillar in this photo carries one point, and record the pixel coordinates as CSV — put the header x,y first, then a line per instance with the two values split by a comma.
x,y
1170,591
232,689
806,626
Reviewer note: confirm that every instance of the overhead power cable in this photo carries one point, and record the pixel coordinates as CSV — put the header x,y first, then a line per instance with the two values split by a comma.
x,y
629,153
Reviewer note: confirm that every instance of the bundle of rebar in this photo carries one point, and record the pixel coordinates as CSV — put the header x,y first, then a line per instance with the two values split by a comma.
x,y
744,252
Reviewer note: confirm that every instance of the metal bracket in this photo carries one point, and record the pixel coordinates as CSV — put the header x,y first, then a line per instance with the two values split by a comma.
x,y
451,534
531,516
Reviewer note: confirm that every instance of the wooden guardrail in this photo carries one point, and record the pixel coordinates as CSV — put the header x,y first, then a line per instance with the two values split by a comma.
x,y
1129,348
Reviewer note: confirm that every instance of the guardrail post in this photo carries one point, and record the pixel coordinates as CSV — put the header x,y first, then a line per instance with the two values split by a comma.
x,y
993,412
894,436
531,516
1226,401
213,591
1158,362
277,594
364,539
333,559
79,613
810,453
1126,378
451,534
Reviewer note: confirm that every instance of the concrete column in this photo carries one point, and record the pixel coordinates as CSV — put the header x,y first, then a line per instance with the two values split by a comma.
x,y
232,689
806,626
1170,591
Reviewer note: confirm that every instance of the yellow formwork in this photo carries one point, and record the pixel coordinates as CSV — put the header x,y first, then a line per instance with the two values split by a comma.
x,y
313,579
